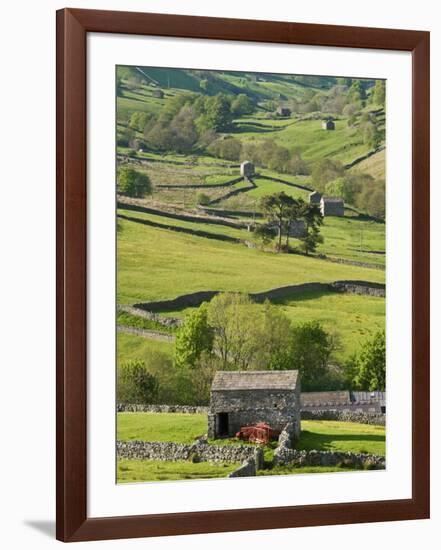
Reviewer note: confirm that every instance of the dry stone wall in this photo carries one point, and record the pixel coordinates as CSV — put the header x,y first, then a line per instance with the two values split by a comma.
x,y
345,415
199,451
291,457
189,409
195,299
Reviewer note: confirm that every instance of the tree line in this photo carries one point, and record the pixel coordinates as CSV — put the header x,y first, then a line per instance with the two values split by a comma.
x,y
233,333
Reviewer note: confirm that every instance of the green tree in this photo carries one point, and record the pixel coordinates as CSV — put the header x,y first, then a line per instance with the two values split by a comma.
x,y
379,93
217,114
193,338
242,105
371,364
311,215
278,209
371,134
231,316
139,120
357,91
324,171
133,183
311,348
135,384
263,233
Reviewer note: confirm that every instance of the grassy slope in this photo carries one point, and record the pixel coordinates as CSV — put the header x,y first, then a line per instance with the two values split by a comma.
x,y
342,144
374,165
209,228
353,318
132,471
157,264
354,239
130,347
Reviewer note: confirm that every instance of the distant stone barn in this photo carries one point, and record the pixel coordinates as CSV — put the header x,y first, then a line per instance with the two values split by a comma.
x,y
243,398
332,206
328,125
315,197
247,169
158,93
283,111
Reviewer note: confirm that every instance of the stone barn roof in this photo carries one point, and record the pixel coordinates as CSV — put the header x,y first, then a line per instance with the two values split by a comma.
x,y
334,200
255,380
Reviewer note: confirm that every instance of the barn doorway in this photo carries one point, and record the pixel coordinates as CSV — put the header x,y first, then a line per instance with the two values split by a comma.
x,y
222,424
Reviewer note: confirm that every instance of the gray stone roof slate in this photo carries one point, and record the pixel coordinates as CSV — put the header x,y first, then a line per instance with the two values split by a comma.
x,y
255,380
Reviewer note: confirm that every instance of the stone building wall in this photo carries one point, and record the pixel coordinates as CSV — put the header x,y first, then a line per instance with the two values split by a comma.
x,y
246,407
332,208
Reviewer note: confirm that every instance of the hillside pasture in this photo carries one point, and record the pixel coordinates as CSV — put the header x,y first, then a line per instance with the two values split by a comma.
x,y
374,165
351,317
156,264
131,347
343,143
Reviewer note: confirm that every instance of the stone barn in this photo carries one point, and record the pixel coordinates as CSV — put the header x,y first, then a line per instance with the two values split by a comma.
x,y
158,93
328,125
332,206
315,197
283,111
247,169
243,398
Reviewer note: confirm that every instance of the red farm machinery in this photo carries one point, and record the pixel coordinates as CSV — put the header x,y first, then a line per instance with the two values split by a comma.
x,y
258,433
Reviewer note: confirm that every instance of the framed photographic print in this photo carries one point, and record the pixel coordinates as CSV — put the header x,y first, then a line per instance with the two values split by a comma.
x,y
242,274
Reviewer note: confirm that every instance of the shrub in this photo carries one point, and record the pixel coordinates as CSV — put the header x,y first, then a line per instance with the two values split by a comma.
x,y
135,384
203,199
133,183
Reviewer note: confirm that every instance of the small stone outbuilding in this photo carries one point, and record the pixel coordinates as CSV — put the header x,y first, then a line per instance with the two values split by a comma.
x,y
332,206
328,125
247,169
243,398
315,197
158,93
283,111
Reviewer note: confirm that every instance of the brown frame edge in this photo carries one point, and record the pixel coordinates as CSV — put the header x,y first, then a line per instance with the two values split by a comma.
x,y
71,464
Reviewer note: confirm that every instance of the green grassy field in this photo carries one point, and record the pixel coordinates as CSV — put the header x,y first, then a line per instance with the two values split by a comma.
x,y
354,239
374,165
325,435
177,427
290,470
131,347
133,471
316,434
148,260
354,318
342,144
209,228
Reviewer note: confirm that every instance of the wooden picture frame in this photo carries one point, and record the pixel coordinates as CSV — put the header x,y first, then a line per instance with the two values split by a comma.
x,y
73,524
